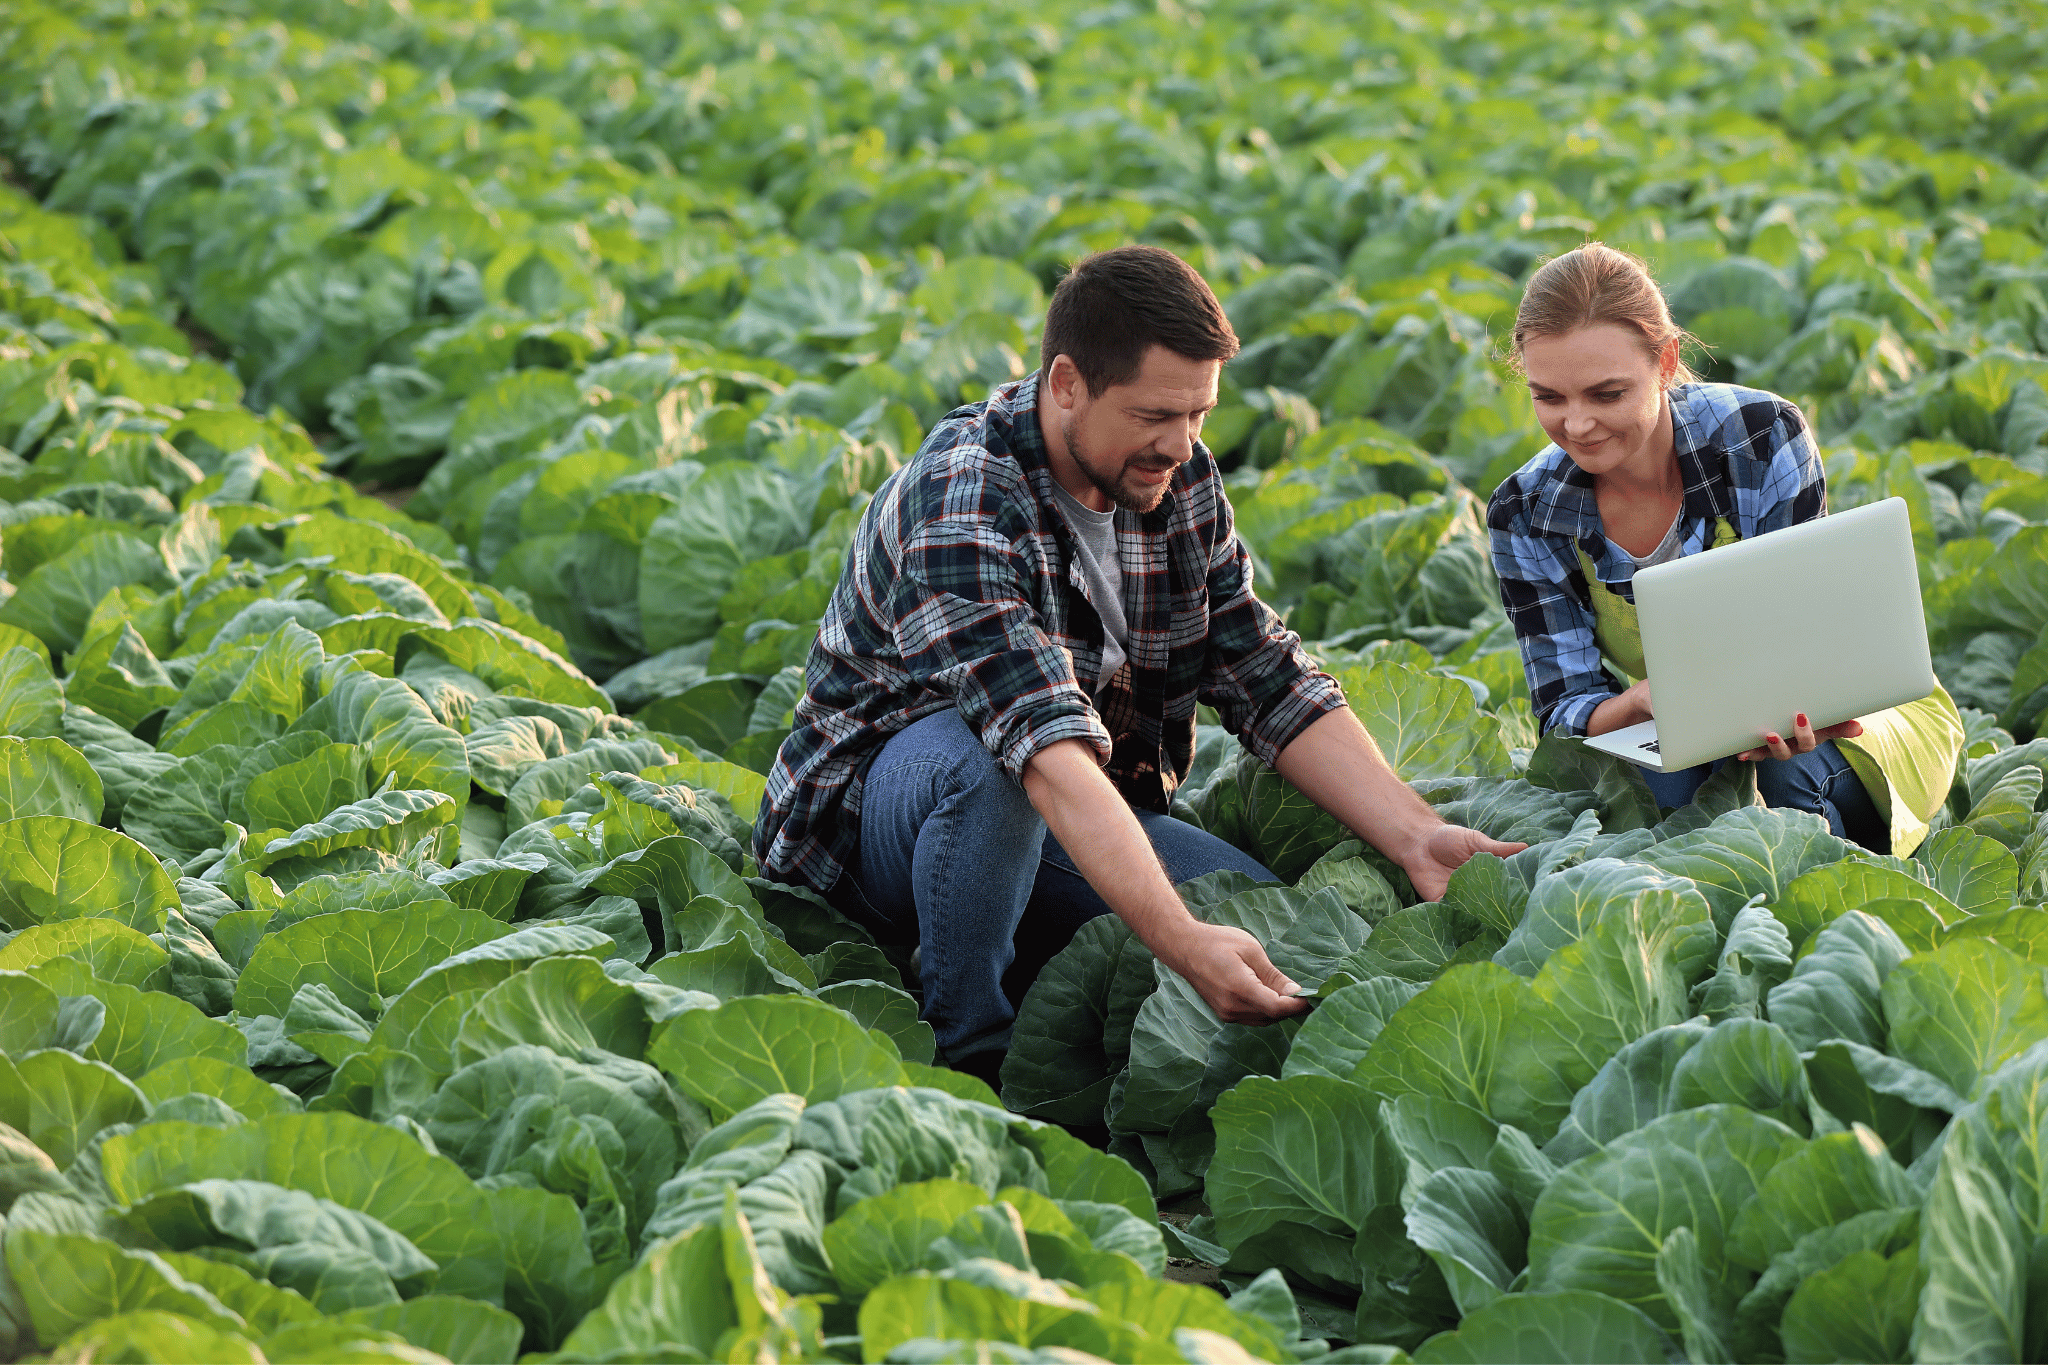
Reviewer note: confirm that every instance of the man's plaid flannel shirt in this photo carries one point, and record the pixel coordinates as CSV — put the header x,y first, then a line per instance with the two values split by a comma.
x,y
1743,454
962,589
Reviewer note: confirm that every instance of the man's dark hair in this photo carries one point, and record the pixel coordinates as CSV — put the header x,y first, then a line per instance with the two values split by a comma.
x,y
1115,305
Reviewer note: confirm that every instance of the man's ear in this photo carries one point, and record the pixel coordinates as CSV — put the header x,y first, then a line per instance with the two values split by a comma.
x,y
1064,383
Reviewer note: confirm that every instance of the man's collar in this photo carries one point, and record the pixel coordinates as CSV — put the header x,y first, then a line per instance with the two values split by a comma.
x,y
1027,435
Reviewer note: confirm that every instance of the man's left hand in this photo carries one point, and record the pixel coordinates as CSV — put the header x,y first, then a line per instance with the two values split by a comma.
x,y
1442,851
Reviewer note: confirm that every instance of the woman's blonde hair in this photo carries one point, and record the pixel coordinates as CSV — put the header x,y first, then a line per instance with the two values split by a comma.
x,y
1596,284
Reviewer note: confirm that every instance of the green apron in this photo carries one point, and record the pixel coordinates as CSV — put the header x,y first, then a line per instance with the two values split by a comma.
x,y
1905,757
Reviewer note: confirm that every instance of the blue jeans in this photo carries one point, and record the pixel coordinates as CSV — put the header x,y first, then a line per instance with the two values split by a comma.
x,y
1819,780
953,855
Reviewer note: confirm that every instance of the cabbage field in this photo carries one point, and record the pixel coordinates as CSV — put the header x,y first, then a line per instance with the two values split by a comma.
x,y
430,431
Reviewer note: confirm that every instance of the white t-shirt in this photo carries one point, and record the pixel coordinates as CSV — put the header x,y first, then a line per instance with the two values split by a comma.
x,y
1095,533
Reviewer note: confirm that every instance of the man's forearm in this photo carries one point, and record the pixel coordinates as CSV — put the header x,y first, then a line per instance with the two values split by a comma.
x,y
1227,967
1089,818
1337,765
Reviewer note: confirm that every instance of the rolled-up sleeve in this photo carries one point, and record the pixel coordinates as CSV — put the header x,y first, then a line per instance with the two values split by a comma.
x,y
967,629
1553,628
1262,684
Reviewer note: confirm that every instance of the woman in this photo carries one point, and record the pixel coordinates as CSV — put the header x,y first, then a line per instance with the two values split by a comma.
x,y
1648,464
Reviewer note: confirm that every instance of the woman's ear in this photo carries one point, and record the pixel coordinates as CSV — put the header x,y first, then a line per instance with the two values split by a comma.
x,y
1667,361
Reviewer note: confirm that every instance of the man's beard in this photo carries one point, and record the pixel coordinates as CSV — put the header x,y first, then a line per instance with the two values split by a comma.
x,y
1131,496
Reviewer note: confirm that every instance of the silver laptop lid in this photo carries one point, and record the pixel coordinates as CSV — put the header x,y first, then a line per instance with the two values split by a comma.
x,y
1823,617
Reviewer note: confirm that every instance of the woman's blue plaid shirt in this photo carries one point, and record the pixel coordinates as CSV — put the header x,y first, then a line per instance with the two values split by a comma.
x,y
961,590
1744,454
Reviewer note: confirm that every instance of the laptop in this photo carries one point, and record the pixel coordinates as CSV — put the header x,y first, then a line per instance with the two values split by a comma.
x,y
1823,617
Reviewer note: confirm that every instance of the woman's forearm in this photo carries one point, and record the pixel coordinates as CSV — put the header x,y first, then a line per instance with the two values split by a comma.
x,y
1622,710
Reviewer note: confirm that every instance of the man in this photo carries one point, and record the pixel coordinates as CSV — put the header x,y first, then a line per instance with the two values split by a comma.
x,y
1001,699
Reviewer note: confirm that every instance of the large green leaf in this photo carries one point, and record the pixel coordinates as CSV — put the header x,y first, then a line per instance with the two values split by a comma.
x,y
715,712
303,791
543,786
367,548
1469,1225
461,1330
2009,592
1566,763
261,1215
566,1003
47,777
117,676
736,513
1962,1010
1601,1223
60,1101
1630,973
890,1233
1563,1327
1013,1306
1817,898
1425,724
1834,991
508,661
390,821
1975,1250
1750,851
68,1281
161,1335
388,721
1861,1308
1976,873
677,1300
232,1084
889,1009
1447,1042
1176,1034
179,811
54,868
106,948
1563,905
1343,1029
1746,1062
526,1109
1740,306
1307,1151
1830,1180
360,1165
55,600
1059,1067
31,698
144,1029
366,957
763,1045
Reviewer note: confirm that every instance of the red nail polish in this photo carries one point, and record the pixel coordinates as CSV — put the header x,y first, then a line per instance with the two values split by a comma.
x,y
1799,719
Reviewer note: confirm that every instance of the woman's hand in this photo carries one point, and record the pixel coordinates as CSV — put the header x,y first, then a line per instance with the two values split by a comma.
x,y
1805,739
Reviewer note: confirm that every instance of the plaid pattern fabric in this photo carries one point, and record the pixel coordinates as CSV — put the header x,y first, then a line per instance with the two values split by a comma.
x,y
962,589
1744,455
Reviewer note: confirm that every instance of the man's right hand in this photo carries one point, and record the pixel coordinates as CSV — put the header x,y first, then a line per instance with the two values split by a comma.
x,y
1230,971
